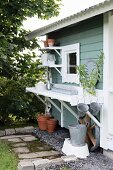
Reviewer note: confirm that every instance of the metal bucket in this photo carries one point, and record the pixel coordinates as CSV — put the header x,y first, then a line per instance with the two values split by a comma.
x,y
94,108
82,109
77,134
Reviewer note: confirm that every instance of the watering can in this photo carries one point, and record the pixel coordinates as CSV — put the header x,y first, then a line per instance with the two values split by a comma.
x,y
95,108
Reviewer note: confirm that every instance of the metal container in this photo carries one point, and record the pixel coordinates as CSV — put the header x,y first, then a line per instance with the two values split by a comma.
x,y
77,134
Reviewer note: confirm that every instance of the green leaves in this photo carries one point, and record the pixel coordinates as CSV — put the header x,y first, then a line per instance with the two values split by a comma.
x,y
87,80
18,66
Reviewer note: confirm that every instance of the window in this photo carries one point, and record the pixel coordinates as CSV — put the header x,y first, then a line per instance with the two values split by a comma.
x,y
70,59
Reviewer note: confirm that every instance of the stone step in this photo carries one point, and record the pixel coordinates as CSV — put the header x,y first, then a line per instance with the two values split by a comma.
x,y
43,163
14,136
21,150
38,154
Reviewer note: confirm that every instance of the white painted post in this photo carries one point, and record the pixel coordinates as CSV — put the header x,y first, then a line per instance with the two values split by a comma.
x,y
62,115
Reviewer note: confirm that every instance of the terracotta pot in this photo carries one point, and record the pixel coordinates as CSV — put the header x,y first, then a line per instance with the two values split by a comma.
x,y
51,125
45,43
42,122
51,42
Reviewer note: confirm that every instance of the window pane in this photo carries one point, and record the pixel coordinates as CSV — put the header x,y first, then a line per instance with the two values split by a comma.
x,y
71,63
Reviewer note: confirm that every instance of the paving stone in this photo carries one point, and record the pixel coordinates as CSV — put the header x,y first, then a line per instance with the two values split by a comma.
x,y
69,158
38,154
57,161
19,130
15,140
10,131
13,136
29,138
29,129
26,165
40,164
27,156
40,148
19,144
27,160
2,132
21,150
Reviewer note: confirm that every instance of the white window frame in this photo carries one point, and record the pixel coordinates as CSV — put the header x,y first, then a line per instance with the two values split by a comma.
x,y
66,77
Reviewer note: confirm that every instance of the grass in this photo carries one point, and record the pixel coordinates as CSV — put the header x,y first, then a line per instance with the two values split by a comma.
x,y
8,160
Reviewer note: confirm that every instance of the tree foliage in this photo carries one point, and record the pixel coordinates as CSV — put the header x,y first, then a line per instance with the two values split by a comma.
x,y
17,68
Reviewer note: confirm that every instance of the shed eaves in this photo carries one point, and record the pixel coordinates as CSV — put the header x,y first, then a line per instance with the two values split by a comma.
x,y
73,19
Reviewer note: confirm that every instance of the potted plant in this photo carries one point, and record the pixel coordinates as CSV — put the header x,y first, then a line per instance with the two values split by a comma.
x,y
51,125
90,80
51,42
42,121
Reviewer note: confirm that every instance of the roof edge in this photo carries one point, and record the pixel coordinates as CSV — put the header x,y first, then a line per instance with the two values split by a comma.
x,y
73,19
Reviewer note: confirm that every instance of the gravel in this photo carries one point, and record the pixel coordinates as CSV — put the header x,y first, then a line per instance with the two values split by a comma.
x,y
96,160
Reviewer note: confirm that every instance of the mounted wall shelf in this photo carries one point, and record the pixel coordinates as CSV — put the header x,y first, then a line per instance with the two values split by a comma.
x,y
52,48
51,65
56,66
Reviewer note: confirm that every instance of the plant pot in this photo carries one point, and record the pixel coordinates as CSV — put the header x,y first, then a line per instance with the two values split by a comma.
x,y
51,42
45,43
51,125
77,134
42,122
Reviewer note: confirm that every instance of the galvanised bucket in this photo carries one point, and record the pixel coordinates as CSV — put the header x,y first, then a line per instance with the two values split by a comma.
x,y
77,134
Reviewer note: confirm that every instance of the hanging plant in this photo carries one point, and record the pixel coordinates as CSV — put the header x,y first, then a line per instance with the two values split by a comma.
x,y
90,80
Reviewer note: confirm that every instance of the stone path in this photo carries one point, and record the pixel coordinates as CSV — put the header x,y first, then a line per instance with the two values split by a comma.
x,y
42,157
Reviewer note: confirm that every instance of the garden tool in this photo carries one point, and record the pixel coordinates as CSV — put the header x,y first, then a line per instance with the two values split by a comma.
x,y
92,131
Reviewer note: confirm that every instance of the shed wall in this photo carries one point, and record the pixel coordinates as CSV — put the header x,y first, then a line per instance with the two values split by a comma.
x,y
90,36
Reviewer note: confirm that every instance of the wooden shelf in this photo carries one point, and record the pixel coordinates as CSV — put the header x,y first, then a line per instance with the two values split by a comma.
x,y
51,48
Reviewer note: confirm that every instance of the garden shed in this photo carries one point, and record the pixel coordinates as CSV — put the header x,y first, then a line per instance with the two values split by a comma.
x,y
79,39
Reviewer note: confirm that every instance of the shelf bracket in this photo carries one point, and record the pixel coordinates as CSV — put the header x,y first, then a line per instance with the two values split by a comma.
x,y
58,70
57,52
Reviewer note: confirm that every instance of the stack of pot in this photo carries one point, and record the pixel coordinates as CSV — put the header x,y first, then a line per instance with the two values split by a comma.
x,y
45,122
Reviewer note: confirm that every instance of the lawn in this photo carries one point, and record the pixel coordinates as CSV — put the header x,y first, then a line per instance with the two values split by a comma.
x,y
8,160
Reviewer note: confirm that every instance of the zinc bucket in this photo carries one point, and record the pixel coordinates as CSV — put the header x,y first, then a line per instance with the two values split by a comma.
x,y
77,134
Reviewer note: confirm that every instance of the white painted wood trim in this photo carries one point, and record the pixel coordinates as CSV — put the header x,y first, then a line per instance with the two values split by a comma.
x,y
70,110
54,105
70,78
62,115
40,99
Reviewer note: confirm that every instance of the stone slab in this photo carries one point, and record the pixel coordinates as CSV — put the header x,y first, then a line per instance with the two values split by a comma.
x,y
10,131
69,158
20,130
38,154
13,136
57,161
21,150
29,138
27,160
26,165
29,129
27,156
40,164
2,132
15,140
19,144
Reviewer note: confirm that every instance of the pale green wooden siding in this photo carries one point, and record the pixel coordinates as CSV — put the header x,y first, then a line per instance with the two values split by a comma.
x,y
90,36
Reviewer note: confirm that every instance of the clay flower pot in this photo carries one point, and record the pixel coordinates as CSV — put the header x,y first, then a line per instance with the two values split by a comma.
x,y
45,43
51,42
42,122
51,125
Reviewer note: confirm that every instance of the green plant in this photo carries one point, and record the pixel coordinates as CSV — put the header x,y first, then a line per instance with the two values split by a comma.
x,y
8,159
90,80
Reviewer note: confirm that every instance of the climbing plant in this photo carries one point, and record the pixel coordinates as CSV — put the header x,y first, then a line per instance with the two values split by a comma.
x,y
90,80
